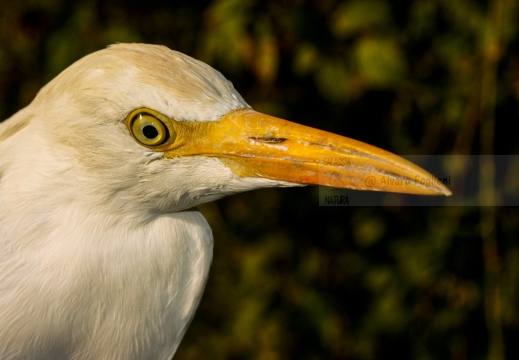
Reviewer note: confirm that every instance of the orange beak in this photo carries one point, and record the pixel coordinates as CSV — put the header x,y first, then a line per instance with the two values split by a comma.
x,y
252,144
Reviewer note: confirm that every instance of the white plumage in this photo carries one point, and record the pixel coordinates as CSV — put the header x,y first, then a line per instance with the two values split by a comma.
x,y
99,258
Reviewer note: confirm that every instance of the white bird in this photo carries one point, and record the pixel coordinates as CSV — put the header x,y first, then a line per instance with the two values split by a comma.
x,y
101,253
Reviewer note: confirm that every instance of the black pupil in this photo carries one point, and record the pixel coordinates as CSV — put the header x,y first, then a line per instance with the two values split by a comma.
x,y
150,132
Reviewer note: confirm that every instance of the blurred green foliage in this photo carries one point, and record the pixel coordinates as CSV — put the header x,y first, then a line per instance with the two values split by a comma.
x,y
290,279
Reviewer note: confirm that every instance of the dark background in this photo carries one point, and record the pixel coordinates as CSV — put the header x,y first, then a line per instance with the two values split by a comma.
x,y
292,279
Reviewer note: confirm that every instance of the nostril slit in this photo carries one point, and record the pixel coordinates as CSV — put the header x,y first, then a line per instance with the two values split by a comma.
x,y
269,140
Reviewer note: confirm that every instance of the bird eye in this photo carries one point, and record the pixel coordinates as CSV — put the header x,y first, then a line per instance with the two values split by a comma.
x,y
150,128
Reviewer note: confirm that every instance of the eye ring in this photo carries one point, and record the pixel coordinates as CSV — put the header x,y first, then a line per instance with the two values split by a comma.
x,y
150,128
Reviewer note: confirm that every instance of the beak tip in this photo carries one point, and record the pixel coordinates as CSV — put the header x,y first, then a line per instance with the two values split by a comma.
x,y
445,191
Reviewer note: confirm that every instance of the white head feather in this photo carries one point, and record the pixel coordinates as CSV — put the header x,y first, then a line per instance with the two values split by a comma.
x,y
96,262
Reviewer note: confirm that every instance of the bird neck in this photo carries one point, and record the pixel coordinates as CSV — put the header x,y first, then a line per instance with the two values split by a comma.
x,y
112,279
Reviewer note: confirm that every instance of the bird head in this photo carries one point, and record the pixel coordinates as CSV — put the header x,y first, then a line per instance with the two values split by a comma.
x,y
148,129
97,258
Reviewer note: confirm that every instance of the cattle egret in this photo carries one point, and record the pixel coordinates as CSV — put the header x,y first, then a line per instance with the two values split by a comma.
x,y
102,255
